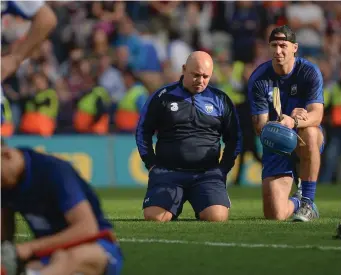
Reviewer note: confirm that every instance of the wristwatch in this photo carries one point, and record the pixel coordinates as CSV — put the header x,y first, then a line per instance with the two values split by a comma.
x,y
296,123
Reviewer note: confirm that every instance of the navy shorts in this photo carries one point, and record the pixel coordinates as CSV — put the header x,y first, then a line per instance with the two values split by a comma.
x,y
113,251
274,164
170,189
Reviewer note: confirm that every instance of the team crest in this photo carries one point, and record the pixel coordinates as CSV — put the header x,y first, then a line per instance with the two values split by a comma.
x,y
208,108
293,89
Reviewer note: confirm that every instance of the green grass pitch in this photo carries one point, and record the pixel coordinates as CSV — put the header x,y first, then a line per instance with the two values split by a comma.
x,y
246,244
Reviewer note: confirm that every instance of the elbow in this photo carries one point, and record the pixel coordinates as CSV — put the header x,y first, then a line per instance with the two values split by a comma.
x,y
319,121
88,228
46,18
52,22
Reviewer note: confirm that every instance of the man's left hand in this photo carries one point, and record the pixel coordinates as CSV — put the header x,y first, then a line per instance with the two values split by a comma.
x,y
24,251
299,113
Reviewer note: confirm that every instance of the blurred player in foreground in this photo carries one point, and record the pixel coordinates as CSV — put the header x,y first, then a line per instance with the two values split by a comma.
x,y
301,94
60,208
43,21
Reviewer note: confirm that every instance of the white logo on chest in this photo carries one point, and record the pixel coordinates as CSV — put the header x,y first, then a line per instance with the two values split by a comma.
x,y
293,89
270,95
208,108
174,107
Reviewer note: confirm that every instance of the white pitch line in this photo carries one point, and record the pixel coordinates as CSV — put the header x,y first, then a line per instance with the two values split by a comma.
x,y
242,245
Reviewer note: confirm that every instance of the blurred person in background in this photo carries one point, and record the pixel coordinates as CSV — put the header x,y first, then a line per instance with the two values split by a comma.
x,y
58,40
328,84
11,104
66,107
332,154
306,18
249,136
332,45
228,75
141,57
108,11
193,20
161,14
99,45
110,78
75,53
41,59
7,125
261,53
130,106
272,13
127,36
244,27
92,114
41,109
122,57
80,78
151,68
148,37
177,50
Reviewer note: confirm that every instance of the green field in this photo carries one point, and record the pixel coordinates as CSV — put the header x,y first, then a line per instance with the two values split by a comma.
x,y
246,244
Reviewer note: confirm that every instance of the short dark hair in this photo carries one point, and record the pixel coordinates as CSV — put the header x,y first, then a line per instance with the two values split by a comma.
x,y
288,33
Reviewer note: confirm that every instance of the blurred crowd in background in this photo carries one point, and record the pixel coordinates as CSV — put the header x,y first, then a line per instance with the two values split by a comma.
x,y
105,58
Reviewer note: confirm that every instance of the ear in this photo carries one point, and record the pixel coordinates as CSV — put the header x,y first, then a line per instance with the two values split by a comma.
x,y
295,48
183,68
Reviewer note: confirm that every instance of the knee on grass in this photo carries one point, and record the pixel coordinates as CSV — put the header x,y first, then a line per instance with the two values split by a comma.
x,y
158,214
214,213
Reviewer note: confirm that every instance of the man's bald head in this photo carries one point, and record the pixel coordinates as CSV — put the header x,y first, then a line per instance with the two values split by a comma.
x,y
197,71
199,57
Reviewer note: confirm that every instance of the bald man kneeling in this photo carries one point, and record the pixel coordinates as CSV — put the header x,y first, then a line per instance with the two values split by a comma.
x,y
190,117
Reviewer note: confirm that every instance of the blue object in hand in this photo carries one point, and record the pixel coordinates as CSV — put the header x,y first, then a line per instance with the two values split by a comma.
x,y
278,138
